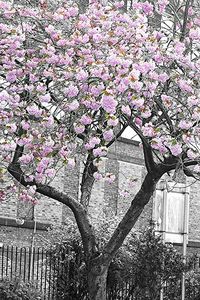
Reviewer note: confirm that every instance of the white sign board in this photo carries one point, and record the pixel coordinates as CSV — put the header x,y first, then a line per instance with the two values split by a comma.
x,y
171,210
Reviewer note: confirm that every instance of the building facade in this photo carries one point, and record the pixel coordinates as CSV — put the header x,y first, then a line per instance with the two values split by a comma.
x,y
175,207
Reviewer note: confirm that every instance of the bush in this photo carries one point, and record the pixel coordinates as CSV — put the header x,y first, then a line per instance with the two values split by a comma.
x,y
16,289
154,265
144,263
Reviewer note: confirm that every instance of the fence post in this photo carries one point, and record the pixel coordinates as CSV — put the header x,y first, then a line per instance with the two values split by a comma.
x,y
185,236
164,228
31,249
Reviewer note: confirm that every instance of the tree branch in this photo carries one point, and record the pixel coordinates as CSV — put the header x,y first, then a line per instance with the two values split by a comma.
x,y
117,135
87,181
165,114
86,230
148,154
185,19
132,215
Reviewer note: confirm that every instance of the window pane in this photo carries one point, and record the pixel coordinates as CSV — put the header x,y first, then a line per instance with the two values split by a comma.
x,y
175,212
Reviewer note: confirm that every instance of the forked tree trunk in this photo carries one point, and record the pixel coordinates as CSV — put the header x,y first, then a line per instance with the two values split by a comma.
x,y
97,278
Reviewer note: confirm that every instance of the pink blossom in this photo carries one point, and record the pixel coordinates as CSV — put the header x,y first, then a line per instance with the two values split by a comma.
x,y
29,178
41,88
179,47
192,101
85,39
148,130
49,122
109,104
24,141
26,158
25,125
97,38
147,8
194,34
113,60
162,5
145,67
192,154
39,178
74,105
62,42
95,140
50,29
50,173
2,195
4,96
110,178
185,86
34,111
167,100
96,90
53,59
176,149
113,121
73,11
45,98
43,164
137,103
158,144
82,75
196,114
11,76
63,152
197,21
11,127
97,176
137,86
119,4
163,77
183,124
85,120
100,151
79,128
146,113
71,163
108,135
71,91
126,110
138,122
122,87
197,169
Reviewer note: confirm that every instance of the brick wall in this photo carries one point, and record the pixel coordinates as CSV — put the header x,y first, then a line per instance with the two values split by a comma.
x,y
125,160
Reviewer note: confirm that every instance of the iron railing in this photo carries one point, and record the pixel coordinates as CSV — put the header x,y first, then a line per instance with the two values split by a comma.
x,y
30,265
41,267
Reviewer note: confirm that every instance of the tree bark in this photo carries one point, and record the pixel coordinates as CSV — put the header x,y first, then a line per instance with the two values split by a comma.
x,y
87,181
97,278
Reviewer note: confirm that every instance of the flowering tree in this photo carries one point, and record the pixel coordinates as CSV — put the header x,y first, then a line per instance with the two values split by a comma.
x,y
71,82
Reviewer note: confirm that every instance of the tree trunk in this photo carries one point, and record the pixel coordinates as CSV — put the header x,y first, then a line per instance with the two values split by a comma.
x,y
97,278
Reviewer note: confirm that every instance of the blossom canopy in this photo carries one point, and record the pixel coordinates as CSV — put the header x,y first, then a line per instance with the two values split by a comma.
x,y
68,79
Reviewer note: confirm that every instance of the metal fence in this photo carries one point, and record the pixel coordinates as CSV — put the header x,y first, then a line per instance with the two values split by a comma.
x,y
30,265
39,266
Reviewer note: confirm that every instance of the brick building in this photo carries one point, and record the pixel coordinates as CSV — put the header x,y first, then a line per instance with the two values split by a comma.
x,y
125,160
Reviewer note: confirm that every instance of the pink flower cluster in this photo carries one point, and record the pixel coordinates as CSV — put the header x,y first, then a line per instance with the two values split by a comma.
x,y
85,74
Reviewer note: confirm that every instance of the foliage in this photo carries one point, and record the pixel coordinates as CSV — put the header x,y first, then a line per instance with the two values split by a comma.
x,y
155,264
16,289
193,284
67,257
144,262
